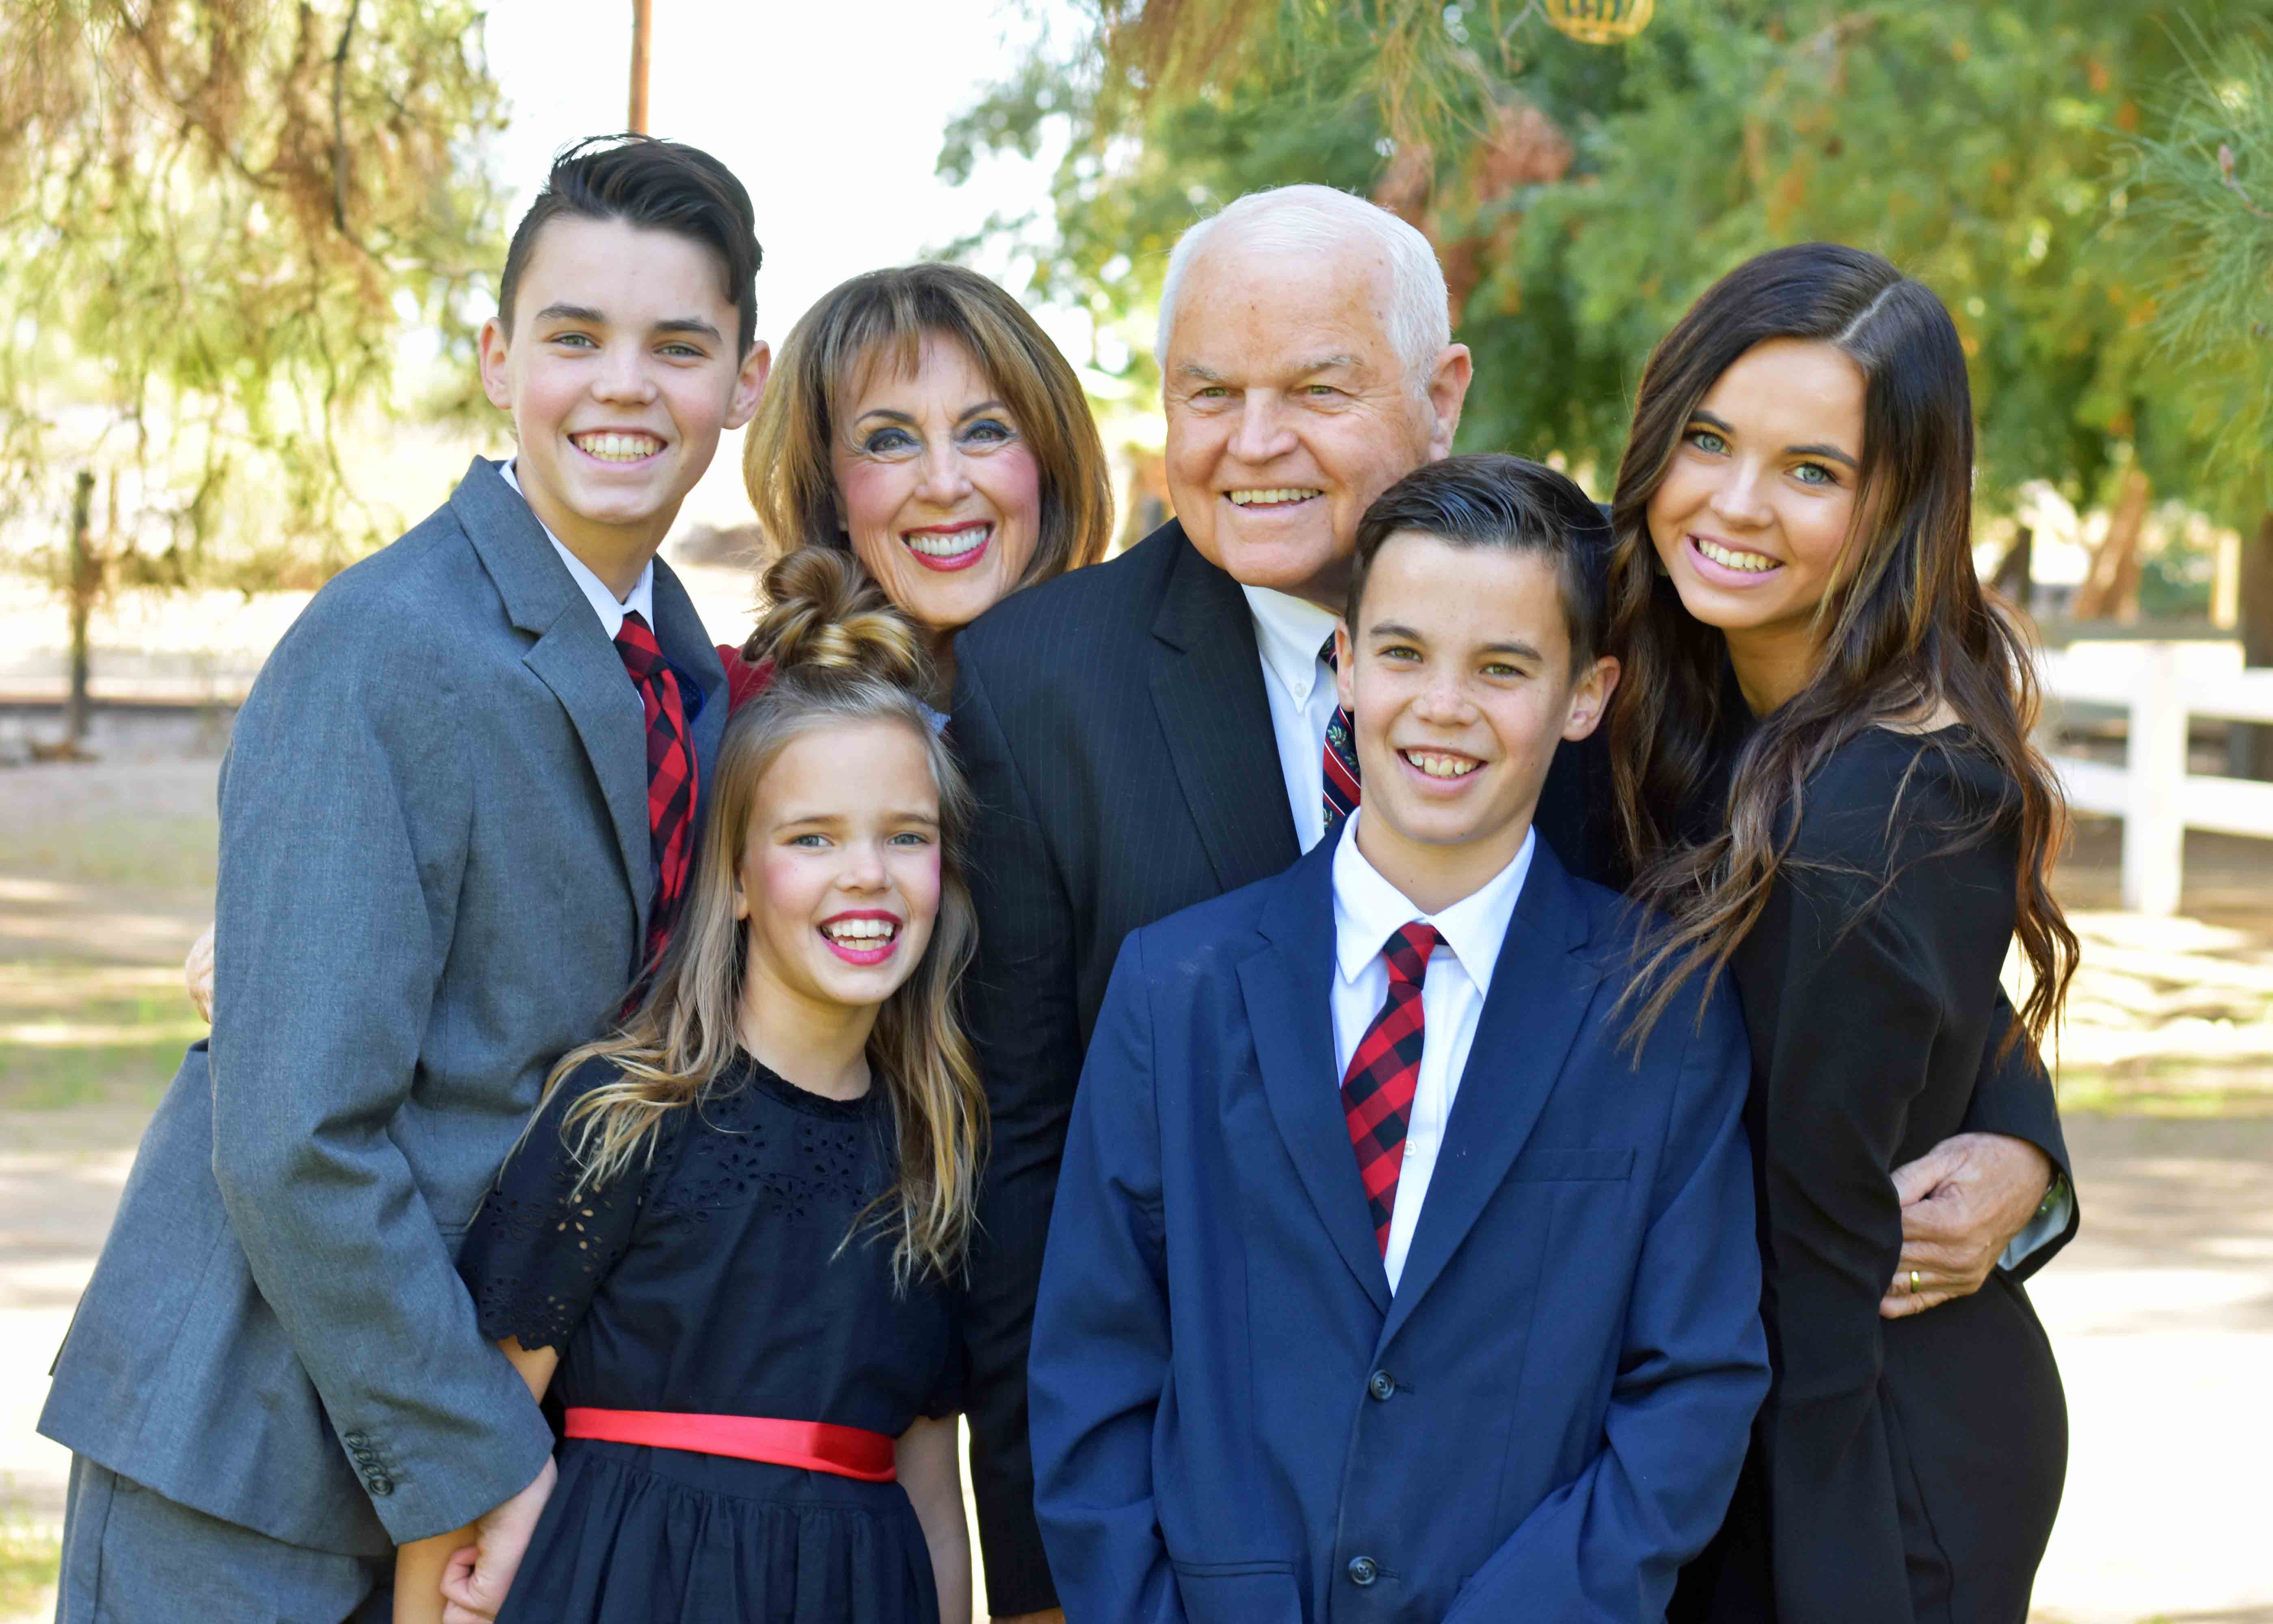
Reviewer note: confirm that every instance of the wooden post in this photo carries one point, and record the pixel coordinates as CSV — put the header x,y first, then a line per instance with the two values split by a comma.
x,y
637,122
86,583
2155,770
2249,745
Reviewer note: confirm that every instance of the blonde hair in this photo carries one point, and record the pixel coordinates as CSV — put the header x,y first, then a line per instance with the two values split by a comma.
x,y
840,653
881,318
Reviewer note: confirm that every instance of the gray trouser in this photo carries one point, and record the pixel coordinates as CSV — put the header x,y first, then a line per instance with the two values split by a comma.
x,y
132,1556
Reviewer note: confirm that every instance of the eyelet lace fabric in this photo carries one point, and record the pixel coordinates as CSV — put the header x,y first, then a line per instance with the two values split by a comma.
x,y
539,1251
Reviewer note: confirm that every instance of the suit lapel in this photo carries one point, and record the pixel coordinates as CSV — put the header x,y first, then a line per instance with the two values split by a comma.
x,y
1207,688
571,656
1287,987
1541,990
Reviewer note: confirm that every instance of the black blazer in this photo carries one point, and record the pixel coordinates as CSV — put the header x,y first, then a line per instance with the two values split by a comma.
x,y
1113,727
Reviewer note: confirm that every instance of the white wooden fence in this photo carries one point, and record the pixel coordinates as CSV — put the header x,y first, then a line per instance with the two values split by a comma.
x,y
2162,684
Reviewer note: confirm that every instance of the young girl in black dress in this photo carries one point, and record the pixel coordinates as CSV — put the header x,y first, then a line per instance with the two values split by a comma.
x,y
731,1240
1821,753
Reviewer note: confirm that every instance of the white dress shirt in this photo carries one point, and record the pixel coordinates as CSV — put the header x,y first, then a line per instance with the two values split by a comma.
x,y
1289,633
1368,909
605,604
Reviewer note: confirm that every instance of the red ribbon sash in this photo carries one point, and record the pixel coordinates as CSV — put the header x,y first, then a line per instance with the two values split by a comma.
x,y
816,1446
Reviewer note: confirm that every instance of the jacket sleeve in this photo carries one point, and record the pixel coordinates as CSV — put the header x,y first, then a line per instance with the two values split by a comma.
x,y
1608,1546
2014,1096
1101,1330
1839,1095
344,831
1024,1017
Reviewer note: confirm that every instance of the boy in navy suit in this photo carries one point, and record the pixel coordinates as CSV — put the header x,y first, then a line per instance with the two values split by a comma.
x,y
1386,1281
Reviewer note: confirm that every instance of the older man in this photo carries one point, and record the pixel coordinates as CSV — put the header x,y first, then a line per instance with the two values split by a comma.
x,y
1153,732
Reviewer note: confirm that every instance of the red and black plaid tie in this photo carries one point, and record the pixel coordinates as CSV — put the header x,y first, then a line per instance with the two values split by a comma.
x,y
1377,1093
1341,780
670,777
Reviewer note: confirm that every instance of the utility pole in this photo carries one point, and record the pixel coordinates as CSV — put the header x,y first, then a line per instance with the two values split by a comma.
x,y
637,123
86,583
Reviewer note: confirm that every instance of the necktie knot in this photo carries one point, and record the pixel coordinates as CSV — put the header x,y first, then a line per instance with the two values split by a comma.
x,y
1407,951
642,656
1326,652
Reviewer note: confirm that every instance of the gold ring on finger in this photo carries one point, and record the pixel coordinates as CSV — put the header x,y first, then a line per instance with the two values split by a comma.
x,y
1914,1283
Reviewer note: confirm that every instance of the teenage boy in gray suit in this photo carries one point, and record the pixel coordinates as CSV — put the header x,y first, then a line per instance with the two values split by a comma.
x,y
457,816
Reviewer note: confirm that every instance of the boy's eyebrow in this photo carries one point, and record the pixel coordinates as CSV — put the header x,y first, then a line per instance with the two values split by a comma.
x,y
694,325
573,313
1513,646
1830,452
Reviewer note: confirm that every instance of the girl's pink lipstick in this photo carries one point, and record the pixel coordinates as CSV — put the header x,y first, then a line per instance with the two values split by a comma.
x,y
866,948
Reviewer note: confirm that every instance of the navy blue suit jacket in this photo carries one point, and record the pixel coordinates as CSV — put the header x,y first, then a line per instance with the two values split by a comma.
x,y
1233,1419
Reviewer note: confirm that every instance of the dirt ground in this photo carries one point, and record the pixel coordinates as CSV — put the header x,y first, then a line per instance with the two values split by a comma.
x,y
2162,1310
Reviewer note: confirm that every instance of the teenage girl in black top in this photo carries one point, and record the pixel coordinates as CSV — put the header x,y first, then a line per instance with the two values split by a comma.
x,y
1824,775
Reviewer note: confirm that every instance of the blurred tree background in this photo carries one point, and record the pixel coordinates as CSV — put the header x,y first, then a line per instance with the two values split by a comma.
x,y
219,219
2050,168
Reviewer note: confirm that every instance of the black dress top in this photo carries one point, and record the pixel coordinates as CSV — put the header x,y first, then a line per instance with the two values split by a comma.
x,y
719,1280
1900,1470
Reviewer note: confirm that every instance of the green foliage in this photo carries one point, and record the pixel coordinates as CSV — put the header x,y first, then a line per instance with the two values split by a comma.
x,y
1978,146
218,219
2199,226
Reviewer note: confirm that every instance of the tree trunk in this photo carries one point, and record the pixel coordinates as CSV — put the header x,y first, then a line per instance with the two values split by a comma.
x,y
86,584
2112,586
2015,569
2250,745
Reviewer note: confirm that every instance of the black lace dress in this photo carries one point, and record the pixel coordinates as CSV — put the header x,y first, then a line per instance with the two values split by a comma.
x,y
713,1284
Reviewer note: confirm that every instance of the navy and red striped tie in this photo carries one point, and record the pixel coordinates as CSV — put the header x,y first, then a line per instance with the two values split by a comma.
x,y
670,778
1378,1091
1341,776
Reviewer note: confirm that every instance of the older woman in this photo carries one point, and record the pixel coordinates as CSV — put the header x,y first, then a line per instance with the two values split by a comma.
x,y
922,418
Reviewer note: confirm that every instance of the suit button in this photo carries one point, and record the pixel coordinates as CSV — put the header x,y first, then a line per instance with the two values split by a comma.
x,y
354,1440
1381,1384
380,1484
1363,1570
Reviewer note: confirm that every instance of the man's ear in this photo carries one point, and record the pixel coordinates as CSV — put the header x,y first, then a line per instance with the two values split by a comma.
x,y
1448,388
497,382
1345,667
750,384
1590,698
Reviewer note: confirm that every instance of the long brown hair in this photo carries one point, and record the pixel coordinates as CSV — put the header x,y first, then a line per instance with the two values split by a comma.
x,y
840,653
881,319
1907,631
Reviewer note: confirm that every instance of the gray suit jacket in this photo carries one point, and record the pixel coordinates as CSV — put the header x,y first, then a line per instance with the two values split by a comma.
x,y
434,880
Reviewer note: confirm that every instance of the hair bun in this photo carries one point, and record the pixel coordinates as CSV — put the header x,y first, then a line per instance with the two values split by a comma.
x,y
824,613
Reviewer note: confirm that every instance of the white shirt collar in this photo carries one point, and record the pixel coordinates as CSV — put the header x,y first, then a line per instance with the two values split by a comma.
x,y
1367,907
1289,633
604,602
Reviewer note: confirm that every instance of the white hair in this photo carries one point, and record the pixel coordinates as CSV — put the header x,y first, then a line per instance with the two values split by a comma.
x,y
1310,221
